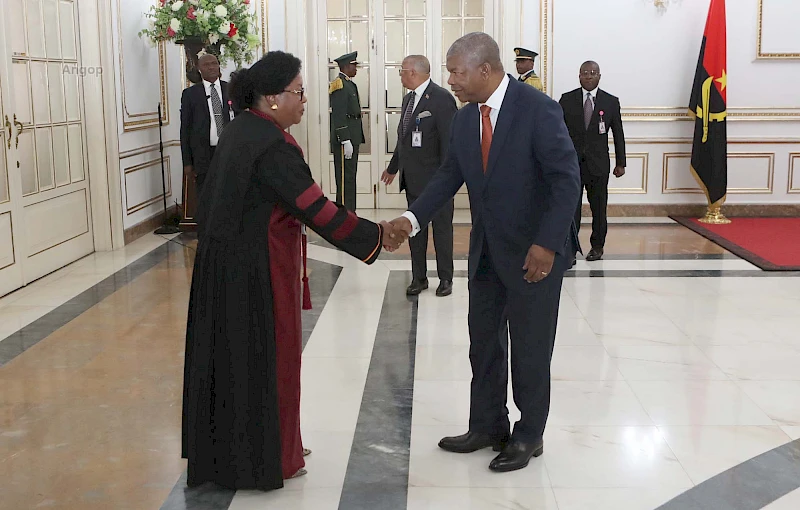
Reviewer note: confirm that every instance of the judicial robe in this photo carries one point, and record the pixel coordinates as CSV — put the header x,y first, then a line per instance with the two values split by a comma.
x,y
241,401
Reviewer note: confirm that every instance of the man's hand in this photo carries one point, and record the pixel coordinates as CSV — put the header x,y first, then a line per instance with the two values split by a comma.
x,y
387,178
538,264
348,149
392,236
403,225
619,171
188,171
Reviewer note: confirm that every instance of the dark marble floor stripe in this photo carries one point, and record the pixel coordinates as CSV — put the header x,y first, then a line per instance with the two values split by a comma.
x,y
751,485
17,343
377,472
661,273
321,280
632,256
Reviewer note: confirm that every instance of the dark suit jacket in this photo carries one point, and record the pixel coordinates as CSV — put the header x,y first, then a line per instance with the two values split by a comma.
x,y
530,190
591,146
196,125
418,164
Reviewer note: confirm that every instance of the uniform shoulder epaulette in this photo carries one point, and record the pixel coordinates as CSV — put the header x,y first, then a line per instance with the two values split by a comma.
x,y
335,85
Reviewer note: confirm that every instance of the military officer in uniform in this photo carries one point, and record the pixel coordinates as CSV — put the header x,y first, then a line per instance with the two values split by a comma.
x,y
525,60
347,132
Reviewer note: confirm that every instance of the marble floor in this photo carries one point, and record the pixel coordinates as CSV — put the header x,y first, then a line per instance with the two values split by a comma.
x,y
675,385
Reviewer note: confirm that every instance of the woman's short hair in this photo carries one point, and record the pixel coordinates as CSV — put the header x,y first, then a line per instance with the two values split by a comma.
x,y
269,76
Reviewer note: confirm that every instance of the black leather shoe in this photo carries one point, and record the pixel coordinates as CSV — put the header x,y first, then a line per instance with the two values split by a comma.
x,y
472,442
516,455
417,287
594,254
445,288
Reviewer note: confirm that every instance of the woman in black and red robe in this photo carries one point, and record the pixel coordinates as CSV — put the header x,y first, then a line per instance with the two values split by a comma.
x,y
241,402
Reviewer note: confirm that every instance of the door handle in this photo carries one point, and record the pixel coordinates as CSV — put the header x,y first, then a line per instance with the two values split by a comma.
x,y
8,126
20,127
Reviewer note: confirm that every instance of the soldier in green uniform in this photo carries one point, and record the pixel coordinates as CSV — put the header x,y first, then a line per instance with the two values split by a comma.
x,y
347,132
525,60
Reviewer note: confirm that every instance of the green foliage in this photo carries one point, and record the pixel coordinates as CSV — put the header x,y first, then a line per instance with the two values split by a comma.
x,y
226,28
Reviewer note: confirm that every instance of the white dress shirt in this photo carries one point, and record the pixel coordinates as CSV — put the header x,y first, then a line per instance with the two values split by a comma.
x,y
592,93
214,136
495,102
419,91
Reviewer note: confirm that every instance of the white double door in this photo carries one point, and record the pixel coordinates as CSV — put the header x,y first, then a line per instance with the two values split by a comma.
x,y
384,32
45,219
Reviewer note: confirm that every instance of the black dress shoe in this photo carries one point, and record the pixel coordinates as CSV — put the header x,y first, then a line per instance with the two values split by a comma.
x,y
472,442
445,288
594,254
416,287
516,455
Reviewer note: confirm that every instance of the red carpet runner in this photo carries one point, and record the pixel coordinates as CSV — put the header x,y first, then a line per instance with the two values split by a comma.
x,y
773,244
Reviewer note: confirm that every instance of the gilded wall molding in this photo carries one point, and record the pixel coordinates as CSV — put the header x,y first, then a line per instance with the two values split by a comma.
x,y
147,148
130,209
642,189
768,190
760,53
794,163
142,120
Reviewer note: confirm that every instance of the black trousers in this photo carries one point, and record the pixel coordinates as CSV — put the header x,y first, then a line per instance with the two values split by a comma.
x,y
442,242
201,176
597,191
345,175
531,318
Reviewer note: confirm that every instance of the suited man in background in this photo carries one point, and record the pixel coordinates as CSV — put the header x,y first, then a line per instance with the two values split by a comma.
x,y
511,148
422,140
590,113
347,132
205,111
525,59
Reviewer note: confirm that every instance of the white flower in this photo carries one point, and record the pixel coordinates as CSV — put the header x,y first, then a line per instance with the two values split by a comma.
x,y
221,11
194,2
213,38
175,24
177,6
224,27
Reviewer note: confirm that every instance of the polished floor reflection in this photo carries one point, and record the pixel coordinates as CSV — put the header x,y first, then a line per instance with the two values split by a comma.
x,y
664,385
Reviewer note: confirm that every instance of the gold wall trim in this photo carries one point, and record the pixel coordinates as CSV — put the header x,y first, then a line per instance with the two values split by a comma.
x,y
130,209
642,189
665,189
142,120
760,54
264,26
544,29
13,254
794,159
731,141
147,148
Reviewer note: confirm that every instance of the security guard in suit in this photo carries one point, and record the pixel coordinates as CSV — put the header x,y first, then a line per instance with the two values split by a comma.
x,y
525,60
347,133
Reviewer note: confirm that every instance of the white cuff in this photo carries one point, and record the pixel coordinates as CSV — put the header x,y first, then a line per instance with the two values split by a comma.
x,y
414,222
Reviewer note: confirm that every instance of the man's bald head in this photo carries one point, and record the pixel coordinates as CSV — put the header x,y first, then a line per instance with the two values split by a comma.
x,y
416,71
589,75
477,49
475,68
418,63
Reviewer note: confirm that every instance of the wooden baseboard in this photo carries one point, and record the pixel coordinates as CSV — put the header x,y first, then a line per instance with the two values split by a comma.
x,y
732,210
147,226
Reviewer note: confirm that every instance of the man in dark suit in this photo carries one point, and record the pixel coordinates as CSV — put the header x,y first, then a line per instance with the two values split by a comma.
x,y
590,113
422,139
347,133
511,148
205,111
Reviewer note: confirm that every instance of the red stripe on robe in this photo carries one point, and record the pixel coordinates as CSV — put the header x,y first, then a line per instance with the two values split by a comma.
x,y
347,227
308,197
325,215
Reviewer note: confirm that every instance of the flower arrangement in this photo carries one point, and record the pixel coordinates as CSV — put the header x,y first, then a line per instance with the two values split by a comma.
x,y
226,28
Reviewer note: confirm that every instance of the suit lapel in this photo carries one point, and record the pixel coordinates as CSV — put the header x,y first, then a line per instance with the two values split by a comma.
x,y
504,122
406,99
202,99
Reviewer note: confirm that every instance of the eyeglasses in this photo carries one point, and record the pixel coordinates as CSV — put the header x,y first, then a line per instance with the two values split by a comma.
x,y
300,92
590,73
401,71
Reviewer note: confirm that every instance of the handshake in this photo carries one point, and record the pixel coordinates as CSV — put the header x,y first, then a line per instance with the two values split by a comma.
x,y
395,233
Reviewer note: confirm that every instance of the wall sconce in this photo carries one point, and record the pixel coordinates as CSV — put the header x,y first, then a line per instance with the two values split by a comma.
x,y
661,5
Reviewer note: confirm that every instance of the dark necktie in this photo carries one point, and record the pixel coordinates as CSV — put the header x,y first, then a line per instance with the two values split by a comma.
x,y
588,110
216,105
409,111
